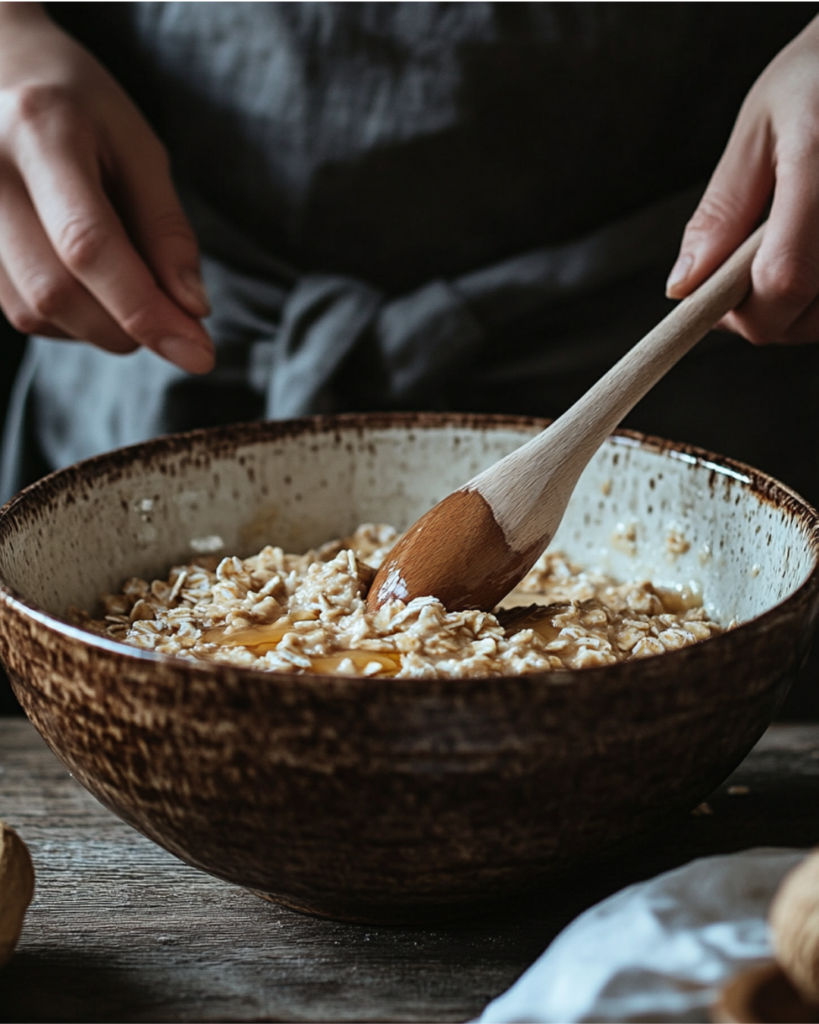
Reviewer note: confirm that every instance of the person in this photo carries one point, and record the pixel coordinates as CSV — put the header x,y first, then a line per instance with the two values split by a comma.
x,y
283,209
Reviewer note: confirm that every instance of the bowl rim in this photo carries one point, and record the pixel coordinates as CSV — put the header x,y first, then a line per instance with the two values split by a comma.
x,y
233,436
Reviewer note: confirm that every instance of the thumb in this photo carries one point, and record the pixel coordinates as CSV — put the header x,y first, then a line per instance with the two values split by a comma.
x,y
729,210
162,232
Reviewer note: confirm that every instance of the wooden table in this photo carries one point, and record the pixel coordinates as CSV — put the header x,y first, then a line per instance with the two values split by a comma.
x,y
120,930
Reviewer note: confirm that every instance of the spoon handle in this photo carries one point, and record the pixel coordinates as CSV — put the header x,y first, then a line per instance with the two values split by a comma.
x,y
549,465
600,410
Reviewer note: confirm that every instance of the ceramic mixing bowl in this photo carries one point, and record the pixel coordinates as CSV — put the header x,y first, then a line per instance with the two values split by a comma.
x,y
390,799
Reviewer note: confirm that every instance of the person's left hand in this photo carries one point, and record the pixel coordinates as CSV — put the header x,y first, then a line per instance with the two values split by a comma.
x,y
773,151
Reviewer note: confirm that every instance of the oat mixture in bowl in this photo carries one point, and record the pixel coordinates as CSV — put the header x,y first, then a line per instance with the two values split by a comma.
x,y
307,613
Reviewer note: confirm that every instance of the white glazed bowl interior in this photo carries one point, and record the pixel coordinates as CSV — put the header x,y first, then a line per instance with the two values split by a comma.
x,y
642,509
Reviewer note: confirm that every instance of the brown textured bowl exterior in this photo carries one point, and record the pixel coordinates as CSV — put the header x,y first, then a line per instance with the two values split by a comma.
x,y
389,799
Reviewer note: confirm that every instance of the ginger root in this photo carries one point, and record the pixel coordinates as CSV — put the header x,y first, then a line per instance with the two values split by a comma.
x,y
794,921
16,888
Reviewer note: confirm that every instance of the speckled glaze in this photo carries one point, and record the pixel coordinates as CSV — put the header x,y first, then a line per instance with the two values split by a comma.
x,y
391,800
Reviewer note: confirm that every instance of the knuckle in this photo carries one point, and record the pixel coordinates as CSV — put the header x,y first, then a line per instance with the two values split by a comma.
x,y
791,279
50,297
713,213
33,102
81,242
750,328
25,320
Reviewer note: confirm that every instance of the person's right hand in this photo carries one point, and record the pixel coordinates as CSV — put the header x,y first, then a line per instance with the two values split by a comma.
x,y
94,244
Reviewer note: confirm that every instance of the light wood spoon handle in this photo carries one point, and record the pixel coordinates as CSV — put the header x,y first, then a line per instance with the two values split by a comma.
x,y
474,546
531,487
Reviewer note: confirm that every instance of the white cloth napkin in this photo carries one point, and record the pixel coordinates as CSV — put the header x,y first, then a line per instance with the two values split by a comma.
x,y
656,951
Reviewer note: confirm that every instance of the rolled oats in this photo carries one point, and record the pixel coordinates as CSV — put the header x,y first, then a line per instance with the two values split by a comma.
x,y
281,612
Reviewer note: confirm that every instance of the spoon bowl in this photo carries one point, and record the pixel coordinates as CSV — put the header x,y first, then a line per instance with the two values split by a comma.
x,y
473,547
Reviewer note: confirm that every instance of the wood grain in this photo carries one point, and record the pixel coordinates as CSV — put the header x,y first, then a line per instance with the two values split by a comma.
x,y
458,553
119,930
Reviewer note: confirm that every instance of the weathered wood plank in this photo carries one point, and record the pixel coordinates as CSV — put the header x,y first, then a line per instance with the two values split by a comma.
x,y
121,930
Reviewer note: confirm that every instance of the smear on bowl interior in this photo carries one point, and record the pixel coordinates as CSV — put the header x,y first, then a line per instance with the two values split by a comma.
x,y
307,613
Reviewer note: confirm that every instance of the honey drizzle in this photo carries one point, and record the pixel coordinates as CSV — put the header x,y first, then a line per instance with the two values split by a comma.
x,y
260,638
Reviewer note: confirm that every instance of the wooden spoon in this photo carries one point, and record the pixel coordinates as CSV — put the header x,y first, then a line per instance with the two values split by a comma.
x,y
473,547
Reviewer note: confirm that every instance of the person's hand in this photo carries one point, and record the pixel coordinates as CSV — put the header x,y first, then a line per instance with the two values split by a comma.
x,y
773,151
93,242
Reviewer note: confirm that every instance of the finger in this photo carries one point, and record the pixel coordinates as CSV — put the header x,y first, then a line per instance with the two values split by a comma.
x,y
48,298
785,274
19,315
804,330
63,180
731,207
160,229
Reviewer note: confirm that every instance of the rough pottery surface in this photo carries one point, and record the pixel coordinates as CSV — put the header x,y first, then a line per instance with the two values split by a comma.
x,y
394,799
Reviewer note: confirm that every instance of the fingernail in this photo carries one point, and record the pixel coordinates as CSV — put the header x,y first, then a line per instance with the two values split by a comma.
x,y
187,354
680,271
195,288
